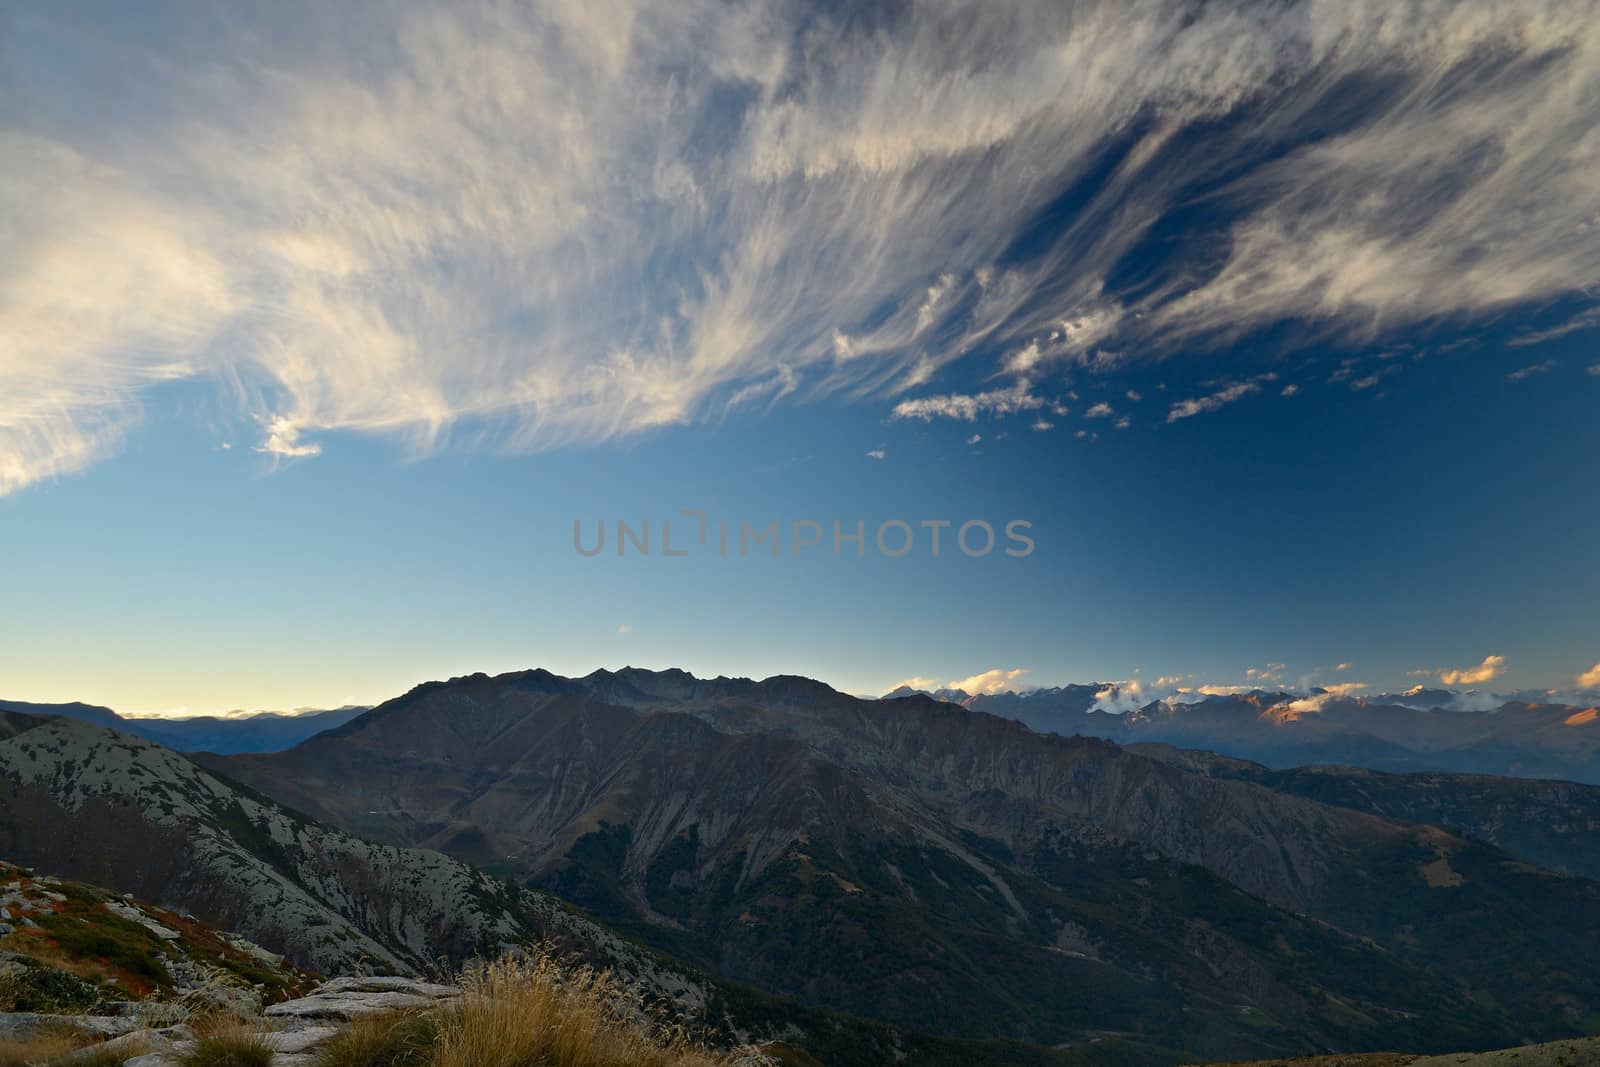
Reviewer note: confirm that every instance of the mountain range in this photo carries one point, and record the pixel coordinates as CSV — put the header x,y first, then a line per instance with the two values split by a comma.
x,y
259,731
123,813
861,877
1418,730
938,867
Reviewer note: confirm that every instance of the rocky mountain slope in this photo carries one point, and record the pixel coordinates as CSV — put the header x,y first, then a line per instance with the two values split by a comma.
x,y
1554,824
127,814
120,811
266,731
1423,730
1575,1052
921,863
68,947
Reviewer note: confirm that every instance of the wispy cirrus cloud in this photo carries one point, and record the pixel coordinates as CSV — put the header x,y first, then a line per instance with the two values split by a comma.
x,y
522,227
1531,370
1224,396
968,406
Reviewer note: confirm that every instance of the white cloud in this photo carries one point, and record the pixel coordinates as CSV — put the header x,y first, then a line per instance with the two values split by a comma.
x,y
990,681
1317,701
975,438
1584,320
1529,371
1594,369
1099,411
624,630
1342,667
1194,694
1590,679
927,684
1290,389
1226,395
877,453
283,440
1041,425
1119,698
968,407
529,226
1488,670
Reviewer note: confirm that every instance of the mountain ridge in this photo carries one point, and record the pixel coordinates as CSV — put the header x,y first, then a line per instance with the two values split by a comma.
x,y
262,731
1410,732
727,817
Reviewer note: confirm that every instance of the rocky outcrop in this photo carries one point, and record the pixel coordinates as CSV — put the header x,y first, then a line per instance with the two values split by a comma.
x,y
116,810
351,998
295,1029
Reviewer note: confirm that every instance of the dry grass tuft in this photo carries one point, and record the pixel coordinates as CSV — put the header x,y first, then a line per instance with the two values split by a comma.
x,y
235,1047
401,1040
41,1048
518,1013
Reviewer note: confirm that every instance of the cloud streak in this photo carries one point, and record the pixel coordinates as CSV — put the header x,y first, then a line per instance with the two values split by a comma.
x,y
496,226
1228,394
1487,671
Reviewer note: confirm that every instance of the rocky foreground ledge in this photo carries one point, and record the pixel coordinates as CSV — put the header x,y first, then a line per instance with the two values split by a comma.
x,y
158,1035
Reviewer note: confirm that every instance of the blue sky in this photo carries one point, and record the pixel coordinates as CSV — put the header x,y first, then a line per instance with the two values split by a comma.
x,y
321,330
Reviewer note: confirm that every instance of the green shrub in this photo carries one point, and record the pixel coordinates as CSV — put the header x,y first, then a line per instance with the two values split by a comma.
x,y
48,991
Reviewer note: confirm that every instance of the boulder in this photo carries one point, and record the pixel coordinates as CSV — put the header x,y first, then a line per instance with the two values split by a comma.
x,y
353,998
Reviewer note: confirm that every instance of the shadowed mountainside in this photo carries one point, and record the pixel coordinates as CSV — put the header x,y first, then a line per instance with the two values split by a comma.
x,y
135,817
1554,824
921,863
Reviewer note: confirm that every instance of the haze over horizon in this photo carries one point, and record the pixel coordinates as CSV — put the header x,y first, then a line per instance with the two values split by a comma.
x,y
320,329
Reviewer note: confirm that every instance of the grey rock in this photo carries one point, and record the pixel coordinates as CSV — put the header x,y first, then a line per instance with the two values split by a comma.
x,y
144,1042
294,1041
23,1024
134,915
388,984
349,1005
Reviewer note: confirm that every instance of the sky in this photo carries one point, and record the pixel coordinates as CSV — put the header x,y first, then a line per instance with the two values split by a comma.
x,y
322,327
